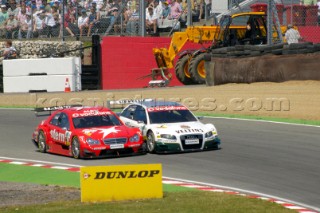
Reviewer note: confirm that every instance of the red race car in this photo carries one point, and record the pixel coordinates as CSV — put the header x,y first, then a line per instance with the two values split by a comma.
x,y
86,132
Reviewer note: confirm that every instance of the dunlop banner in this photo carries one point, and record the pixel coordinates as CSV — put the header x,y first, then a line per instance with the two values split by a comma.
x,y
121,182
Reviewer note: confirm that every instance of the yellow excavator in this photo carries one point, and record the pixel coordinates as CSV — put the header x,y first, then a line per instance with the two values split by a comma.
x,y
237,29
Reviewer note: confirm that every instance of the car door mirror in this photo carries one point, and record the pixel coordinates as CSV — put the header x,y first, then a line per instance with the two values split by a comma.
x,y
200,117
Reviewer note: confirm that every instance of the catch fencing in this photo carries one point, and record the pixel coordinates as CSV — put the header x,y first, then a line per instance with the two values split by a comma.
x,y
78,19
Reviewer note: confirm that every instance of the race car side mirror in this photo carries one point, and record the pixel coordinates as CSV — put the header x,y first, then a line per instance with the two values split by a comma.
x,y
200,117
141,122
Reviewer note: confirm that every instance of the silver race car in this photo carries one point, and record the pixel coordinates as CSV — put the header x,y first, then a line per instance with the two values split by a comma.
x,y
169,127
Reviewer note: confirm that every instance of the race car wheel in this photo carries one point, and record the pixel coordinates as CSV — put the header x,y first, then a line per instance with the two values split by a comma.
x,y
151,143
75,148
42,144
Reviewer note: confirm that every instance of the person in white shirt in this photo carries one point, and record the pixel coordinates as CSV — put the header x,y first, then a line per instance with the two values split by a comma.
x,y
83,22
157,10
151,21
26,27
292,35
39,24
50,24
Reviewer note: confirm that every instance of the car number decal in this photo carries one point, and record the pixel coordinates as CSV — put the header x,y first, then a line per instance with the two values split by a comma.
x,y
191,141
116,146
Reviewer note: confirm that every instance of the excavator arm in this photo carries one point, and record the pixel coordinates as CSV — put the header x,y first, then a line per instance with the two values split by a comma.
x,y
195,34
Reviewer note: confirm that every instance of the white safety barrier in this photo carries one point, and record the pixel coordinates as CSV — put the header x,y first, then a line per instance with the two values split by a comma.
x,y
39,75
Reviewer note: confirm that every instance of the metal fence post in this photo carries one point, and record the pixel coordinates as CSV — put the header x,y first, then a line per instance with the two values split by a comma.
x,y
62,21
189,14
291,12
269,23
205,11
142,18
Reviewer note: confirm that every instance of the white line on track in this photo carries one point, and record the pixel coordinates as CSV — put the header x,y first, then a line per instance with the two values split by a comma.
x,y
246,191
265,121
39,161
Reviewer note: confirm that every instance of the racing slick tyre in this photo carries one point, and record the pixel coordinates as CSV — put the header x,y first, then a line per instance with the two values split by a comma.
x,y
75,148
151,143
182,71
196,69
42,144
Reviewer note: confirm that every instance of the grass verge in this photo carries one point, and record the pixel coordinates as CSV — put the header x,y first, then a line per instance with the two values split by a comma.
x,y
262,118
176,199
45,176
173,202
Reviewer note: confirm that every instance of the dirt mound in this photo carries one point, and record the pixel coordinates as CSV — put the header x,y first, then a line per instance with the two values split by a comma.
x,y
14,194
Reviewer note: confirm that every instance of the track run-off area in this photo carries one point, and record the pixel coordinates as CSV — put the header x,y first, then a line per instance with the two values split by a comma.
x,y
281,160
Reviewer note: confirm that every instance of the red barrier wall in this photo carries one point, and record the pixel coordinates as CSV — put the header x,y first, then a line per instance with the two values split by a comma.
x,y
310,33
125,59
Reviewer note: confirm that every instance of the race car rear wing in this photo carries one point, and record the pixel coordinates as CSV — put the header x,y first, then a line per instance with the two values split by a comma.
x,y
45,111
121,104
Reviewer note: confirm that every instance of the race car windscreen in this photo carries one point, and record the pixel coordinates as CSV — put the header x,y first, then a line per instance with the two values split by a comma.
x,y
95,121
171,116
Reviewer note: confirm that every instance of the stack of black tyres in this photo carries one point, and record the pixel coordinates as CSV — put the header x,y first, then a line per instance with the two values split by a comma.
x,y
260,50
301,48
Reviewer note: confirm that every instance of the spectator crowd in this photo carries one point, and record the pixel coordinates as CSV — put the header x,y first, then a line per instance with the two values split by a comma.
x,y
43,18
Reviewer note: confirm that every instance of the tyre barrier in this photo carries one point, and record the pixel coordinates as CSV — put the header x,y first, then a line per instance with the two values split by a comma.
x,y
259,50
263,63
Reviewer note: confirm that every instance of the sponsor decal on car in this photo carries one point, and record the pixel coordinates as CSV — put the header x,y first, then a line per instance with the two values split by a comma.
x,y
89,132
98,148
90,113
58,136
185,127
179,131
165,108
108,131
61,137
68,137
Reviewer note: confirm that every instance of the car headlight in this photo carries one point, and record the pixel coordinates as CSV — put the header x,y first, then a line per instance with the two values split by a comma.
x,y
91,141
134,138
168,136
209,134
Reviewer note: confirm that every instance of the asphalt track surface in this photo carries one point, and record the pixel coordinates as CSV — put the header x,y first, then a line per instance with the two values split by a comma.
x,y
274,159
